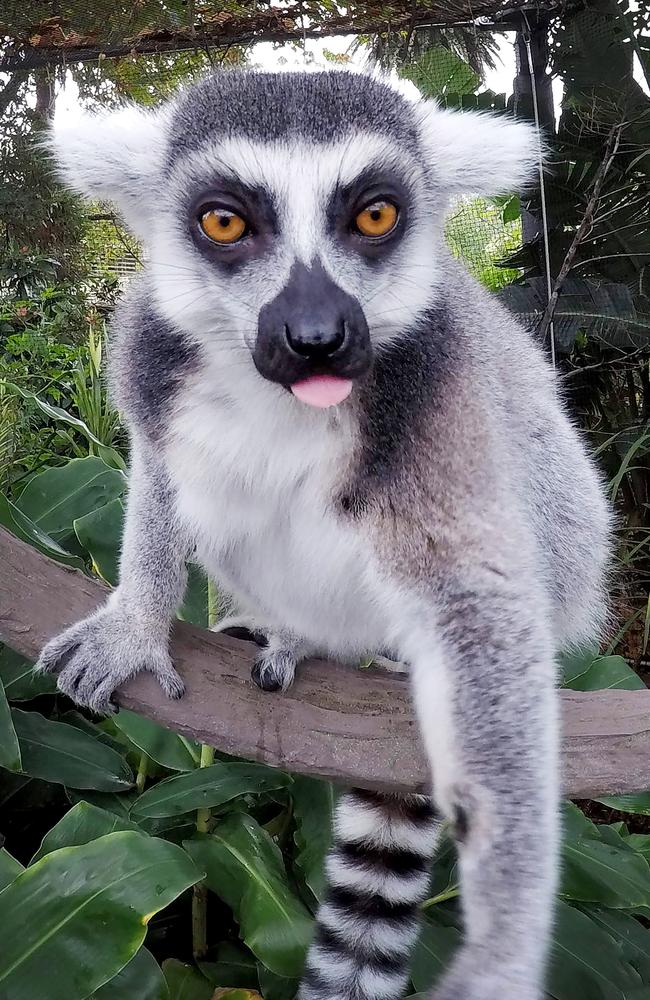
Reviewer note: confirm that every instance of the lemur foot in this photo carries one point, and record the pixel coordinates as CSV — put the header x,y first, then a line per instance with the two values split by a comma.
x,y
100,653
274,667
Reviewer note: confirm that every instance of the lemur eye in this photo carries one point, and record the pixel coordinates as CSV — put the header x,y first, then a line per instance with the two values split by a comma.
x,y
223,226
377,219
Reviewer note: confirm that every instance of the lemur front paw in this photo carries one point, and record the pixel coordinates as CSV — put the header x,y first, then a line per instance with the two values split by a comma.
x,y
97,655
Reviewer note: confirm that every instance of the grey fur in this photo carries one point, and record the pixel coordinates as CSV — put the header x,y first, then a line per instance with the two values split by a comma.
x,y
447,511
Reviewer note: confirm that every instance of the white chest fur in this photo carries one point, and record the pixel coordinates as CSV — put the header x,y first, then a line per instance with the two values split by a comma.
x,y
257,490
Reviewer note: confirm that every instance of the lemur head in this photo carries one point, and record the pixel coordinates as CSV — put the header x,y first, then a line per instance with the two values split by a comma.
x,y
292,217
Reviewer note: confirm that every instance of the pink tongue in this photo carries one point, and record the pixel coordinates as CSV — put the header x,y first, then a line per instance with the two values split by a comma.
x,y
322,390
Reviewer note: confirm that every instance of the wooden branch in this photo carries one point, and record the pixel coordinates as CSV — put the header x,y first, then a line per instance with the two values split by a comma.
x,y
275,24
353,726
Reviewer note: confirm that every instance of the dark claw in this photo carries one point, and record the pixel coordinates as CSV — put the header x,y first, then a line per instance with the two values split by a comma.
x,y
265,679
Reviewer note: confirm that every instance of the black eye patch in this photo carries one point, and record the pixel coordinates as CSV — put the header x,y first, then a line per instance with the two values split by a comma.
x,y
348,200
254,204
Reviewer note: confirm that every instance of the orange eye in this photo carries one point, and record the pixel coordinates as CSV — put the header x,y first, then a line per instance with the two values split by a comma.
x,y
223,226
377,219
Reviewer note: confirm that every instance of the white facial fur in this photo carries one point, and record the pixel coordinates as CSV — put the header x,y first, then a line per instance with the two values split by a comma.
x,y
120,157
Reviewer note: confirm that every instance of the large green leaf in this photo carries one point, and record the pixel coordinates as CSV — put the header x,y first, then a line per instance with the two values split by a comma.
x,y
142,978
184,982
440,73
602,871
162,745
21,682
57,496
9,746
435,946
100,533
22,527
9,868
608,672
313,806
233,966
81,825
640,842
207,788
273,987
638,803
586,961
61,753
576,663
245,868
74,919
632,936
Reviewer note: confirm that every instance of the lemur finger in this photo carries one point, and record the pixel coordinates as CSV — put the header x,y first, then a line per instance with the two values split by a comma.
x,y
170,681
56,654
100,700
73,675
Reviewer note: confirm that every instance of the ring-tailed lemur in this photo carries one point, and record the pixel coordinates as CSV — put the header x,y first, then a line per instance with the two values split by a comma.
x,y
369,452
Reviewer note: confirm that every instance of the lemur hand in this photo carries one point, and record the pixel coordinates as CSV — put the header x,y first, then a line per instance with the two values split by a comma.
x,y
100,653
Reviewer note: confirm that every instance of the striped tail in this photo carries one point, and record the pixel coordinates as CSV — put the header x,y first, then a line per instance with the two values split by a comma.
x,y
377,876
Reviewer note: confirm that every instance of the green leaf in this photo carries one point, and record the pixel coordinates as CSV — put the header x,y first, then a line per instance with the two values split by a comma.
x,y
54,498
109,455
435,946
440,73
512,209
608,672
640,842
52,914
57,752
632,936
638,803
21,682
142,978
195,602
162,745
313,806
274,987
245,868
207,788
100,533
184,982
574,664
234,966
607,872
9,868
81,825
9,746
22,527
586,961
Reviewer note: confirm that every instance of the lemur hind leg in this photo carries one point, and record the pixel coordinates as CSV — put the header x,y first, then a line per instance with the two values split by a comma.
x,y
274,667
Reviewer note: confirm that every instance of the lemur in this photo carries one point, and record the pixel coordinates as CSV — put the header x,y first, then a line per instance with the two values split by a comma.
x,y
365,449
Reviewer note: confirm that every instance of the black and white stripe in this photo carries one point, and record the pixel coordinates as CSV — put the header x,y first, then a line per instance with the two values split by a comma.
x,y
377,875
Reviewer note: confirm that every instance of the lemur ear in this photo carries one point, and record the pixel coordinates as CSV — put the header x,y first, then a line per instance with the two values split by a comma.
x,y
474,153
114,156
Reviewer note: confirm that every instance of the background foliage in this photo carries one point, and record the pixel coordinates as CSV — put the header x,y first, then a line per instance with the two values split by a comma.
x,y
204,872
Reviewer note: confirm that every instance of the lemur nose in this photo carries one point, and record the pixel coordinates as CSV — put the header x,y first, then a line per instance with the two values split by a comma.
x,y
315,342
